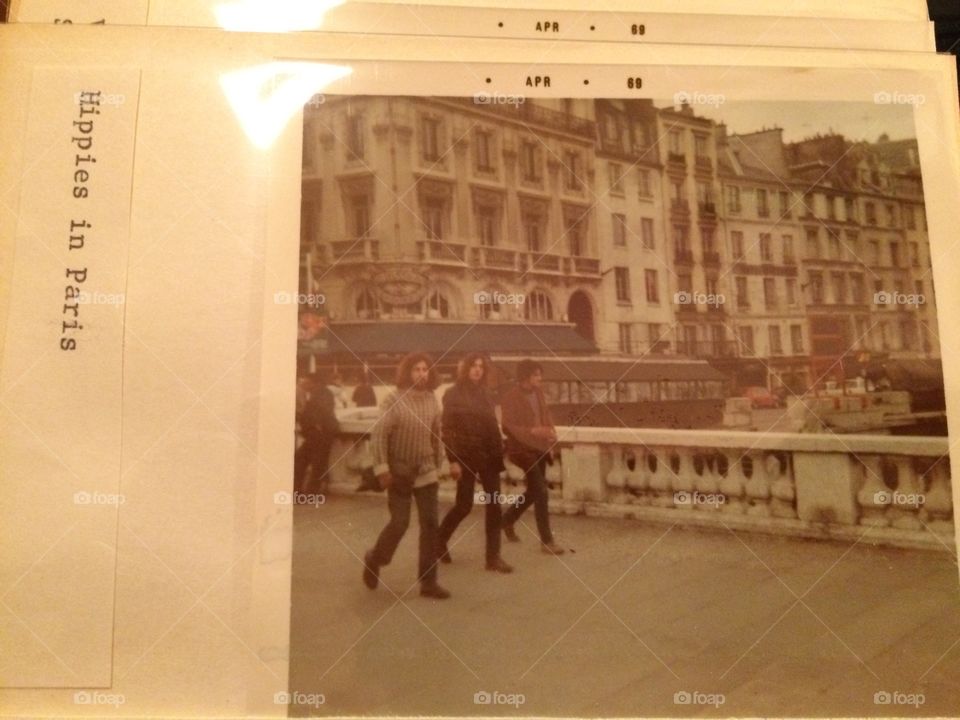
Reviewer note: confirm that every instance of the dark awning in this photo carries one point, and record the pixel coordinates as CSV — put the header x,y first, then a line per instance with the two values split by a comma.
x,y
915,374
365,338
624,370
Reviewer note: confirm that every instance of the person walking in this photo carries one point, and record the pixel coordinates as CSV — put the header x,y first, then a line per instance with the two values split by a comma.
x,y
319,427
407,453
474,446
531,437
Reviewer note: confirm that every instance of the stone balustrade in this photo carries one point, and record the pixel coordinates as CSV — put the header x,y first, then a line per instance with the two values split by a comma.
x,y
868,488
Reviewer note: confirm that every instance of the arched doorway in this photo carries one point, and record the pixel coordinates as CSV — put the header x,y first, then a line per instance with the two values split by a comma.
x,y
580,312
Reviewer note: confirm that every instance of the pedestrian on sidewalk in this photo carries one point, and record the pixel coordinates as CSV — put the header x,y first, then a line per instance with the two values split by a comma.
x,y
407,453
531,438
319,427
474,446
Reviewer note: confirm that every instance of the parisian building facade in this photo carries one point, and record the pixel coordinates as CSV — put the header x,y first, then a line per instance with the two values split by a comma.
x,y
651,231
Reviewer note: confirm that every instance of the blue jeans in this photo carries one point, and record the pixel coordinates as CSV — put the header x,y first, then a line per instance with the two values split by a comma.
x,y
537,495
399,502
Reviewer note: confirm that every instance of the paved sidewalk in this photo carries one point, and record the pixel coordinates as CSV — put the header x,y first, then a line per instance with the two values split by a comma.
x,y
632,615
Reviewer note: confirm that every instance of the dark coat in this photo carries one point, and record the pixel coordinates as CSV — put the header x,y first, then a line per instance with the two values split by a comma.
x,y
470,432
317,418
523,448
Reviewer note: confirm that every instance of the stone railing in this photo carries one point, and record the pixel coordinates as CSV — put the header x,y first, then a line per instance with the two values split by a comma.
x,y
867,488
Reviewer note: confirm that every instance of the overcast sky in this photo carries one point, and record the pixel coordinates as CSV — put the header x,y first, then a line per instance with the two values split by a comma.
x,y
857,121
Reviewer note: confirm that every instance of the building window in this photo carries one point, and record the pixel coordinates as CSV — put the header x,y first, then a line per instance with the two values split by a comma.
x,y
776,345
745,334
769,293
708,240
430,139
911,218
839,288
616,178
791,291
534,229
733,199
575,229
652,287
743,298
891,215
675,139
849,210
438,306
763,205
833,237
894,253
622,278
915,254
856,288
875,252
354,136
488,225
619,230
796,339
359,216
736,242
655,337
538,306
766,247
700,149
646,233
681,241
813,244
809,205
643,179
433,212
530,161
784,205
816,288
366,305
788,256
626,338
573,171
685,283
484,151
870,210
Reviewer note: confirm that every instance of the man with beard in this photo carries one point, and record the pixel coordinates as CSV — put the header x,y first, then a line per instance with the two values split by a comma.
x,y
407,454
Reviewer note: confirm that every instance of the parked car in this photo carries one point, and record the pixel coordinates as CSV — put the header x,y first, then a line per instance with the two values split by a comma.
x,y
761,398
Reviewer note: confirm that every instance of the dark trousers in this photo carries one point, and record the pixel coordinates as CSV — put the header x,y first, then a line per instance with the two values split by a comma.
x,y
490,481
399,502
536,495
315,453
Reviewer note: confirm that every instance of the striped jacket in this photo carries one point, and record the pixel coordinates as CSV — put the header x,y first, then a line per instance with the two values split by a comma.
x,y
406,438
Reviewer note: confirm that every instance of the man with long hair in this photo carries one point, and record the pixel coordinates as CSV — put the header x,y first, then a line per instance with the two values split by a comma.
x,y
531,437
407,454
474,448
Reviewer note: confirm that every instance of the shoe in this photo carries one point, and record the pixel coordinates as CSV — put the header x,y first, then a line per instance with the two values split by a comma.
x,y
434,591
511,533
371,572
445,556
551,548
498,565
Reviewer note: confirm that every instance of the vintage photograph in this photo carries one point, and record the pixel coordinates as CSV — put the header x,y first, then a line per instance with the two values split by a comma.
x,y
696,338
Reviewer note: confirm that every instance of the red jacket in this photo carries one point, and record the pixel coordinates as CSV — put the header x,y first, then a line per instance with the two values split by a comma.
x,y
523,448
